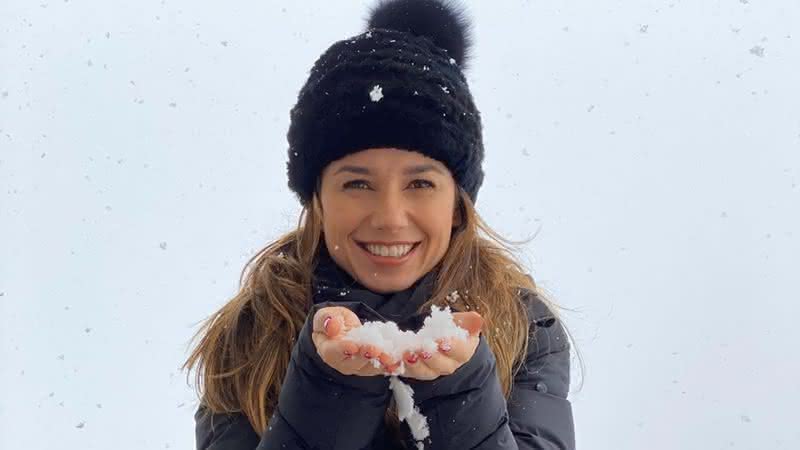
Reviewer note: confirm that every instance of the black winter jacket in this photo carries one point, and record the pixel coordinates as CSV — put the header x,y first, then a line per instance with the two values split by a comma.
x,y
320,408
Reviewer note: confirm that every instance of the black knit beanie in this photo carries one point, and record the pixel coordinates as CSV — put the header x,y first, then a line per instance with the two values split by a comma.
x,y
399,84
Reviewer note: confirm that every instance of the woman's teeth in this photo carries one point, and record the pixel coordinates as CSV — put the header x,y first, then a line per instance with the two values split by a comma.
x,y
395,251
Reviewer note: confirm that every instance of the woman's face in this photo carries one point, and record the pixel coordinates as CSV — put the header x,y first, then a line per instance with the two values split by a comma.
x,y
387,215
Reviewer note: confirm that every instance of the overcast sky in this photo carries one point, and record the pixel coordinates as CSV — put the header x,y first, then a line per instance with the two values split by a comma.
x,y
653,148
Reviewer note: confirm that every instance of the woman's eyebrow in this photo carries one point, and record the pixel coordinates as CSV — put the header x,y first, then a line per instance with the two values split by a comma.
x,y
353,169
414,170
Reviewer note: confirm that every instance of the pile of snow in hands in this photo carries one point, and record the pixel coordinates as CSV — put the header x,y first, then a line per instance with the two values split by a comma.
x,y
393,341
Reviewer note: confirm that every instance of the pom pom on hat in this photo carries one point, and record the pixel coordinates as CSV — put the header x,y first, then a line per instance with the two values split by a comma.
x,y
444,22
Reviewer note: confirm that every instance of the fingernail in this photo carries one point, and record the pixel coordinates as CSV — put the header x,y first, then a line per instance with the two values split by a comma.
x,y
348,353
412,359
368,355
426,355
326,322
445,347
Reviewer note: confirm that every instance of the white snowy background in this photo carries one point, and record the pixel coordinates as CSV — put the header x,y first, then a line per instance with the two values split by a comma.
x,y
653,147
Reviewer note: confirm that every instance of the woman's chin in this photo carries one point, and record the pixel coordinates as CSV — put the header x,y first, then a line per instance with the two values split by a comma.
x,y
386,284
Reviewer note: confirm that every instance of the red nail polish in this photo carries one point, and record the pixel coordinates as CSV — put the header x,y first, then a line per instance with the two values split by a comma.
x,y
426,355
326,322
412,359
368,355
445,347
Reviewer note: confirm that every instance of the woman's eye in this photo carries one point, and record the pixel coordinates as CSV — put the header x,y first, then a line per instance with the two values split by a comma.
x,y
421,184
356,184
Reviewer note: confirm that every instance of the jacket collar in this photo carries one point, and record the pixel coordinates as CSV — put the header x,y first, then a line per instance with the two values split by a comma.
x,y
331,283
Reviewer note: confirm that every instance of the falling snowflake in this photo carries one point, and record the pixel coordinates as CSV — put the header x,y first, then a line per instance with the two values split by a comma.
x,y
453,297
452,61
444,88
376,94
758,51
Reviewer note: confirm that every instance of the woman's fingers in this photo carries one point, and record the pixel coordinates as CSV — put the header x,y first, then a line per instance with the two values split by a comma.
x,y
441,364
459,350
386,362
470,321
416,367
410,357
369,351
346,357
349,349
328,321
335,320
354,362
363,360
452,354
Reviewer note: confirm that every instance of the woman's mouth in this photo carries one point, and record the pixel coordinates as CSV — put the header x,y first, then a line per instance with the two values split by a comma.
x,y
389,254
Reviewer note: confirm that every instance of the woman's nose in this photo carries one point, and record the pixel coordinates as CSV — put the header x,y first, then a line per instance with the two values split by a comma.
x,y
389,213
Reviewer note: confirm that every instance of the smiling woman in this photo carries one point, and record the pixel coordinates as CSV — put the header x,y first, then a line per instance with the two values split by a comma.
x,y
385,156
387,215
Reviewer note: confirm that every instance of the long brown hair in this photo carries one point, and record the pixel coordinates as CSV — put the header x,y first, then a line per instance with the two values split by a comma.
x,y
244,348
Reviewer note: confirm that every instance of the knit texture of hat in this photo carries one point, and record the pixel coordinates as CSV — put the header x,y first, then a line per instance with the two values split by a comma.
x,y
400,84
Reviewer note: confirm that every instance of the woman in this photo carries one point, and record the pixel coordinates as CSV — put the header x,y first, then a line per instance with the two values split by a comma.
x,y
385,156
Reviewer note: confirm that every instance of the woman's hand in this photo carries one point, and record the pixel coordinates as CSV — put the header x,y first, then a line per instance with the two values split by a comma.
x,y
330,326
451,354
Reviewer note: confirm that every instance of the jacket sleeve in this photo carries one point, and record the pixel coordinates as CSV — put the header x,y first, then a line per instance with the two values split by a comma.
x,y
318,408
321,408
467,409
223,431
540,414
